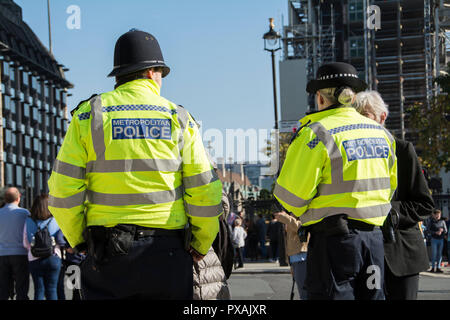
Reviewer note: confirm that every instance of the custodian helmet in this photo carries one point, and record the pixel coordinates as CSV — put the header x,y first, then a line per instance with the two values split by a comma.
x,y
137,50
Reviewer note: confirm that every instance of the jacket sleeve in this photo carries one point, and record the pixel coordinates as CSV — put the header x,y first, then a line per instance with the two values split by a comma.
x,y
67,185
412,200
292,223
301,173
203,189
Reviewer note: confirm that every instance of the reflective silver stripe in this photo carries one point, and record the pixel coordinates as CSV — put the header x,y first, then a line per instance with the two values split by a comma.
x,y
69,170
336,161
203,211
354,186
313,214
290,198
68,202
112,199
183,119
392,140
131,165
200,179
97,134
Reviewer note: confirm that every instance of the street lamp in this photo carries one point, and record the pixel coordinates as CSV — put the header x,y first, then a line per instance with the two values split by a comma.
x,y
272,44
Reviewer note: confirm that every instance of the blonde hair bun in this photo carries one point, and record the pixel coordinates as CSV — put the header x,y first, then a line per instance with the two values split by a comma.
x,y
346,97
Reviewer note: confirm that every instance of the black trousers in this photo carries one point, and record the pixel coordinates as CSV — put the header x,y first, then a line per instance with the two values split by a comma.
x,y
14,268
155,268
346,267
400,288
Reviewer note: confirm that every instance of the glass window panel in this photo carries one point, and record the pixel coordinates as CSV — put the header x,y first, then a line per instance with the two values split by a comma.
x,y
12,74
8,136
19,176
27,142
36,144
9,174
26,110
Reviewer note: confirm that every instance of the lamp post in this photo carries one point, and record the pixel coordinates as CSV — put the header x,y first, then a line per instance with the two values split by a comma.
x,y
272,44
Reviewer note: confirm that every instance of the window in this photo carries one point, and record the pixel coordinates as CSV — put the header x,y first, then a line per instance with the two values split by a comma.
x,y
34,83
39,87
25,78
58,123
47,92
8,136
357,47
28,178
12,74
9,174
26,110
355,10
7,103
19,176
35,144
12,106
5,68
27,142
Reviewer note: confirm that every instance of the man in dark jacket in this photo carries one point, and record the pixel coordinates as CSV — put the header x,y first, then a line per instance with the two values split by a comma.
x,y
407,256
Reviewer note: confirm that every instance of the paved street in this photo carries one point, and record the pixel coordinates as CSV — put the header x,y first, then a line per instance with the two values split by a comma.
x,y
268,281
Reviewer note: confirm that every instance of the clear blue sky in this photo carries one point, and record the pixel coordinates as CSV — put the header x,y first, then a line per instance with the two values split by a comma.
x,y
220,71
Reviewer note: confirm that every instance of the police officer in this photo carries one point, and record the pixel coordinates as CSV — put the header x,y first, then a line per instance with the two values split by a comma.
x,y
339,176
131,174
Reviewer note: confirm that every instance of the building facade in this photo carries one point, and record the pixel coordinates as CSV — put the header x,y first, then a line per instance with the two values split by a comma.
x,y
33,105
399,59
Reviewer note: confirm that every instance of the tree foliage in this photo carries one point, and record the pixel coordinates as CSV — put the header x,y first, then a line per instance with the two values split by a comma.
x,y
433,128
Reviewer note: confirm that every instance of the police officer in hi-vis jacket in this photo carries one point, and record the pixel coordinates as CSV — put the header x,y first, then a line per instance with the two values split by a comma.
x,y
131,174
339,176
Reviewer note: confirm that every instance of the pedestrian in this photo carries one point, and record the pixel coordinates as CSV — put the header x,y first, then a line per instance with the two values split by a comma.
x,y
252,240
437,229
223,244
210,277
210,282
131,175
70,264
274,234
239,236
340,189
14,272
447,221
295,250
44,270
261,228
406,256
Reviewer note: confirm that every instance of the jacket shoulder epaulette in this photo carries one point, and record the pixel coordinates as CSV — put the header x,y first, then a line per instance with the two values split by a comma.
x,y
198,124
298,131
79,105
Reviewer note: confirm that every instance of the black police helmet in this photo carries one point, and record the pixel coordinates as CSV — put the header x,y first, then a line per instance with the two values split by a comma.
x,y
137,50
335,75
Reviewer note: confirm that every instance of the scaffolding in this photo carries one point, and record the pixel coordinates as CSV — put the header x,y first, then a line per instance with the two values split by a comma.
x,y
400,60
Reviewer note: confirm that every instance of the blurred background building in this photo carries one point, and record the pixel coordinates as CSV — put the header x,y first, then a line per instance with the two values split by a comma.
x,y
32,103
399,59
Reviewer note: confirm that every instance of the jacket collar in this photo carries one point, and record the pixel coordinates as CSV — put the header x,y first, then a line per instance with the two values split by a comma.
x,y
141,83
319,115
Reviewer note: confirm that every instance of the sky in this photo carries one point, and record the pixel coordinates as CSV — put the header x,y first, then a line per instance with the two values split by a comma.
x,y
219,70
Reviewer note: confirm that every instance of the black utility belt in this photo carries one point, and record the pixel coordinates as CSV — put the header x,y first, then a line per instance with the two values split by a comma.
x,y
105,243
142,232
338,225
138,232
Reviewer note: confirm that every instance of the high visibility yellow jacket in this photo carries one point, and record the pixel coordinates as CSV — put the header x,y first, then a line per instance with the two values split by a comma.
x,y
340,162
133,157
